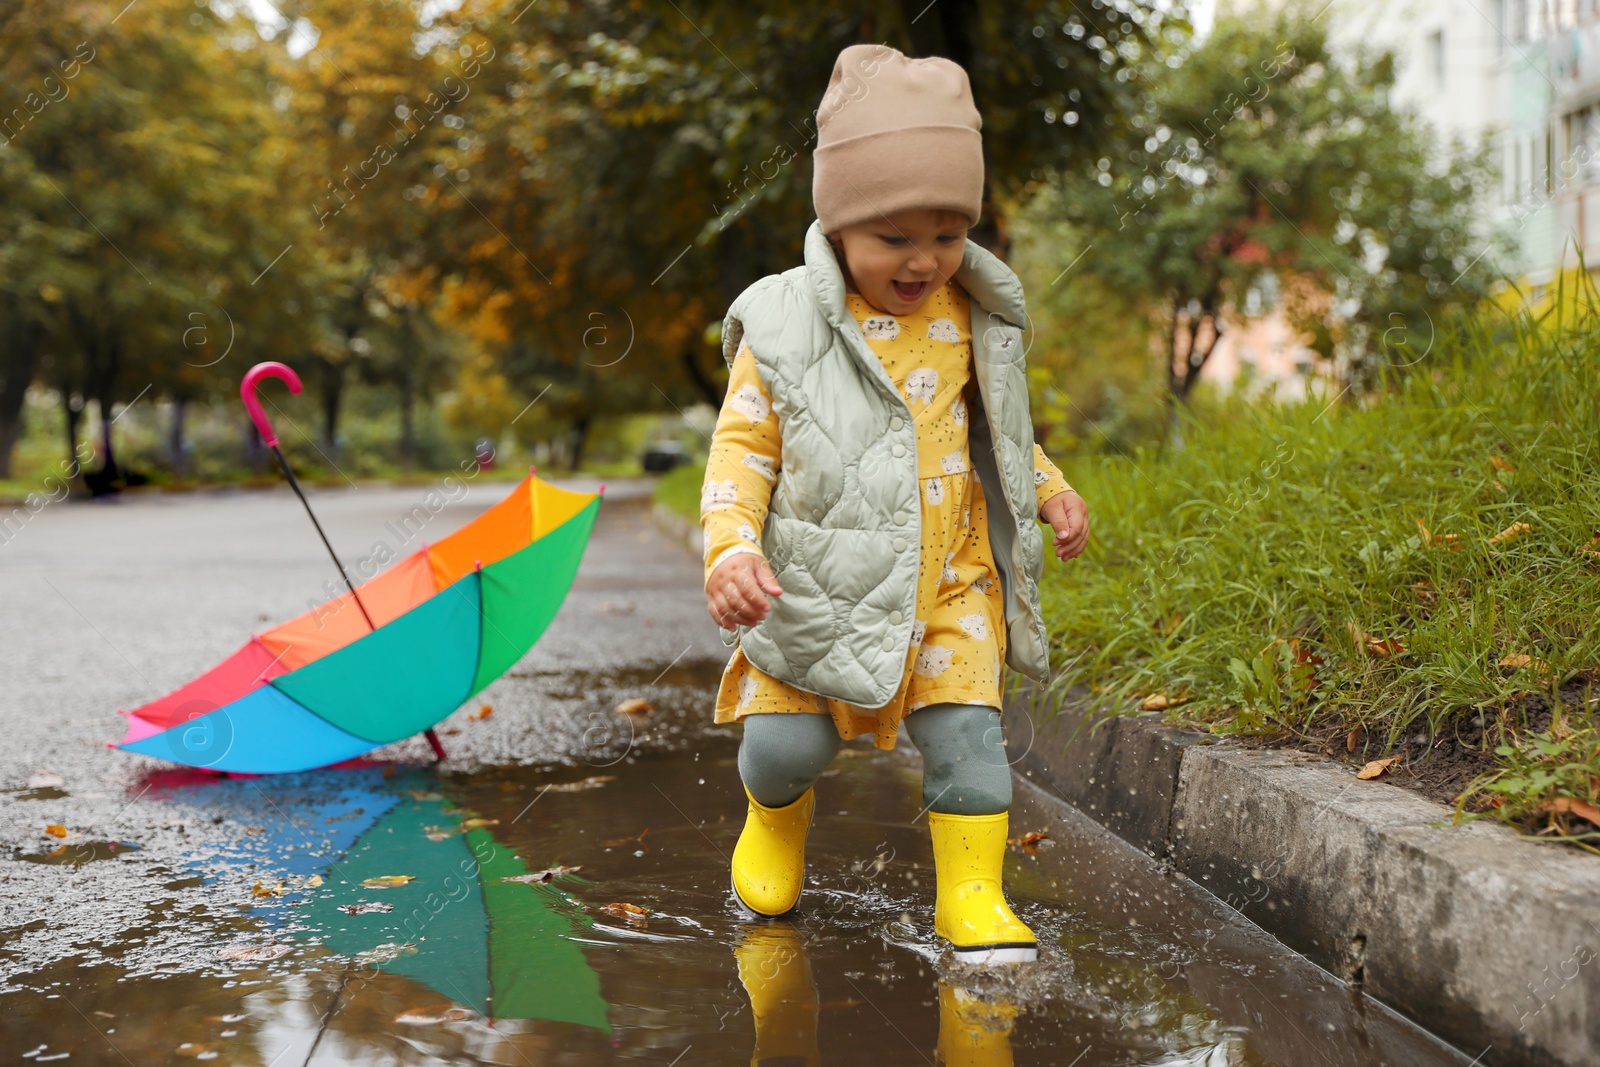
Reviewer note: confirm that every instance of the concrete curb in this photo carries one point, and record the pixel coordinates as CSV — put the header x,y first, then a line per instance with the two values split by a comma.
x,y
1489,941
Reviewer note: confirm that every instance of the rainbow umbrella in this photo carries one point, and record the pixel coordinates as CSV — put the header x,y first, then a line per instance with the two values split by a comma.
x,y
471,923
387,659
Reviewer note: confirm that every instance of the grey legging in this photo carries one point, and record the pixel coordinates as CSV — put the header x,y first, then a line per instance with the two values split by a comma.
x,y
964,768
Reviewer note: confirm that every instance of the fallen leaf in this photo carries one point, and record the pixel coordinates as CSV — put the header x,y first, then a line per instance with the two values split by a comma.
x,y
594,781
1499,463
363,907
617,842
314,881
1376,767
1424,590
1581,808
474,824
1498,484
483,712
1355,735
55,829
261,889
417,794
1593,547
1518,660
636,709
1510,533
1163,700
450,730
543,877
1446,541
631,912
1165,627
438,833
388,881
432,1016
1387,648
1383,648
1030,841
252,953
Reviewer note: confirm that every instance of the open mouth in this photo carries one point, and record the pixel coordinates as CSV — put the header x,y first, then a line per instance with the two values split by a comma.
x,y
909,291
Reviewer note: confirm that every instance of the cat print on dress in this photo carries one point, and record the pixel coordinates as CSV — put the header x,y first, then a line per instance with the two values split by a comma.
x,y
934,660
880,328
943,330
747,690
974,626
922,384
751,403
763,464
935,490
716,495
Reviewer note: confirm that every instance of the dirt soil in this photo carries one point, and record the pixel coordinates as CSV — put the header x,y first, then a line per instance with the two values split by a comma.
x,y
1441,767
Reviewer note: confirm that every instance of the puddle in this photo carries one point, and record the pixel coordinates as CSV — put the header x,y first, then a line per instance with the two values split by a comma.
x,y
78,852
579,914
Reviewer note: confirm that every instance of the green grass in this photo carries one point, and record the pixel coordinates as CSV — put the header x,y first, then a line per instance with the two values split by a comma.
x,y
1273,571
678,490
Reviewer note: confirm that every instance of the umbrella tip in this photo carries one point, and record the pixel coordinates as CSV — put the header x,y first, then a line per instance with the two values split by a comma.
x,y
602,488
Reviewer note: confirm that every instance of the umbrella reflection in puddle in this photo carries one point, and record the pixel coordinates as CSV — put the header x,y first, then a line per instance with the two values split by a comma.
x,y
388,873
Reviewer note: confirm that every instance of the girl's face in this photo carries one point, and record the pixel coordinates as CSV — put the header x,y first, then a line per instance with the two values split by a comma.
x,y
896,262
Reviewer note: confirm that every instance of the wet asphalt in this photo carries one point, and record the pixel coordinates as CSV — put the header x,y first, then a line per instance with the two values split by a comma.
x,y
110,938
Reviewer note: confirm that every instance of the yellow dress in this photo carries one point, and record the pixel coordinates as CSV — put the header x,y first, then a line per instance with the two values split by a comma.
x,y
958,638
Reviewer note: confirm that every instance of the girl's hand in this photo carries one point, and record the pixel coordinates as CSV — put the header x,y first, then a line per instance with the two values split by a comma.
x,y
736,594
1068,514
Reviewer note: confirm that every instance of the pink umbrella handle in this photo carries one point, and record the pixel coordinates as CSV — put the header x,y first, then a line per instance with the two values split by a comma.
x,y
252,403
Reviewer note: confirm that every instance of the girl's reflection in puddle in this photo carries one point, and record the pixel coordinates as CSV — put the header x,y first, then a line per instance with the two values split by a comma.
x,y
974,1030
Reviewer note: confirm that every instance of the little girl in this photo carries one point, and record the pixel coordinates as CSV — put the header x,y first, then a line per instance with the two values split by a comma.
x,y
872,496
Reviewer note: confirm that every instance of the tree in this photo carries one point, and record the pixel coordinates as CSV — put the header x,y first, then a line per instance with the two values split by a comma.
x,y
634,166
1268,161
134,195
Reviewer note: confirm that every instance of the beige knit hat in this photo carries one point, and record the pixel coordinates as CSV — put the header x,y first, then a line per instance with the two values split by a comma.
x,y
895,133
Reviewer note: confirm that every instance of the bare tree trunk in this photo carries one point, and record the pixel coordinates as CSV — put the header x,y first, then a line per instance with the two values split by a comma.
x,y
708,387
579,438
176,456
407,423
21,364
71,416
255,450
332,397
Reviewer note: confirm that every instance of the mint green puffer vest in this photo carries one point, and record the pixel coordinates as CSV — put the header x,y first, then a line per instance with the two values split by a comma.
x,y
843,530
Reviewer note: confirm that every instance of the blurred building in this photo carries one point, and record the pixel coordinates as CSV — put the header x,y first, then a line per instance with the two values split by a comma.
x,y
1519,76
1522,77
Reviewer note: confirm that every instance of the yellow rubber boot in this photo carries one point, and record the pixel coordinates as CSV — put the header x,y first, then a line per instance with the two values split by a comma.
x,y
970,911
769,862
783,999
973,1032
